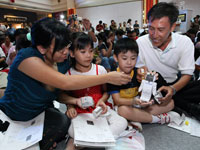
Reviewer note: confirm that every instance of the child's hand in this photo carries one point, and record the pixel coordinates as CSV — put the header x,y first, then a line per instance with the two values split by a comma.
x,y
71,112
137,101
78,103
103,106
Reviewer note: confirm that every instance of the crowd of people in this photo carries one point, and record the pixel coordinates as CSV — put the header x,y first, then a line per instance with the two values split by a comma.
x,y
53,61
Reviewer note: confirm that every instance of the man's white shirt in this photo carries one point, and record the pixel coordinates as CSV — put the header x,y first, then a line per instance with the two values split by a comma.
x,y
178,56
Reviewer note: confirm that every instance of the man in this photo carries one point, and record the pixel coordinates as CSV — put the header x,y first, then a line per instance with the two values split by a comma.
x,y
136,27
132,34
166,52
100,27
113,26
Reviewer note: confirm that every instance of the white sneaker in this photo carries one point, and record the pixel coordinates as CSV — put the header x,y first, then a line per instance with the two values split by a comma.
x,y
170,117
136,125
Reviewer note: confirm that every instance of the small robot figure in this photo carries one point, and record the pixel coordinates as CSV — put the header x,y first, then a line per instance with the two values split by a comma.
x,y
148,87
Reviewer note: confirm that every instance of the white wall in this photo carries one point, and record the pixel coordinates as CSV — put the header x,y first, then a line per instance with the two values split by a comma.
x,y
193,5
118,12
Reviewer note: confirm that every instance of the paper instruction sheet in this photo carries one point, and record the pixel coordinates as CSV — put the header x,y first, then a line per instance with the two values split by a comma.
x,y
189,125
18,135
91,131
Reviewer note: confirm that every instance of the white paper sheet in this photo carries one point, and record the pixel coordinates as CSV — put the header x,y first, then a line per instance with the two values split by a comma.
x,y
195,128
146,90
190,125
90,131
21,135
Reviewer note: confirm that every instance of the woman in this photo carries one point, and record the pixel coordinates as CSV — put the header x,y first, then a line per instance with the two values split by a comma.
x,y
36,75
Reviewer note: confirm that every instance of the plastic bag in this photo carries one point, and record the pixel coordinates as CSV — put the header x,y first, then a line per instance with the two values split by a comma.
x,y
129,140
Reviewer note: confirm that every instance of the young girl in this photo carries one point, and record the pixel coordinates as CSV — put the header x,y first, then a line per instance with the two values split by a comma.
x,y
81,53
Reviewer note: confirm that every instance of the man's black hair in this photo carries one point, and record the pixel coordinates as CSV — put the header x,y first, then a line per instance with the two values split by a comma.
x,y
124,45
163,9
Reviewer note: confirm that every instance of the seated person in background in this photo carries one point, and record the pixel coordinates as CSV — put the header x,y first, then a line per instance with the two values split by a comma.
x,y
81,53
132,34
100,27
197,68
126,96
2,59
7,44
19,33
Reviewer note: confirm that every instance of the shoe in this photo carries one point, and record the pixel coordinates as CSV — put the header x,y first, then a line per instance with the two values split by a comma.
x,y
194,110
171,117
136,125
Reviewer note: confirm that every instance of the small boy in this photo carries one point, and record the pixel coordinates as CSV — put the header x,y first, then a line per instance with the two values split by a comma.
x,y
126,96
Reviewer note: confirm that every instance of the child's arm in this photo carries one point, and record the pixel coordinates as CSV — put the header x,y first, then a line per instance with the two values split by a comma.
x,y
121,101
102,100
129,101
71,111
67,99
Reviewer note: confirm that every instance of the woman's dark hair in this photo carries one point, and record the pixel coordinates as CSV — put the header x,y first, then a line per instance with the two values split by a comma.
x,y
79,41
124,45
163,9
129,20
47,29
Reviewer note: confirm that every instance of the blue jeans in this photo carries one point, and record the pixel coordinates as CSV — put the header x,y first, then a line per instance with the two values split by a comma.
x,y
105,63
113,63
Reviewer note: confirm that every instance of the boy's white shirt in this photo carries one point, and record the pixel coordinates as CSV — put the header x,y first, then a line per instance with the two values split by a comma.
x,y
92,71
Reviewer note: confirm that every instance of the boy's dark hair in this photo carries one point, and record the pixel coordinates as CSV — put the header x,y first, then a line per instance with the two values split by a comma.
x,y
119,32
22,42
124,45
20,31
47,29
163,9
131,31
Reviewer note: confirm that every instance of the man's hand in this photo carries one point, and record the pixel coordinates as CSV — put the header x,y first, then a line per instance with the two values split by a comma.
x,y
169,93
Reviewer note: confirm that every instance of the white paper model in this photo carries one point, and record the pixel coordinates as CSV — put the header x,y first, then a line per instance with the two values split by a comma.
x,y
148,87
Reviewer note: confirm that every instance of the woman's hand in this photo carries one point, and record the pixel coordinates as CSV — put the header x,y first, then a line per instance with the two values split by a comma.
x,y
71,112
103,106
118,78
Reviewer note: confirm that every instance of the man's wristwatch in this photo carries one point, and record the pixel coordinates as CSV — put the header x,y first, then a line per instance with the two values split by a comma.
x,y
174,90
